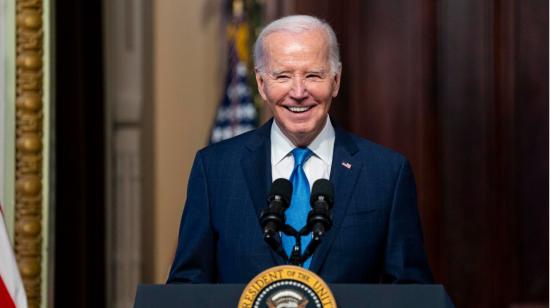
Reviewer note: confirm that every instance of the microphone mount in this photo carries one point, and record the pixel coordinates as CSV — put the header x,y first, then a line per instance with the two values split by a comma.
x,y
319,220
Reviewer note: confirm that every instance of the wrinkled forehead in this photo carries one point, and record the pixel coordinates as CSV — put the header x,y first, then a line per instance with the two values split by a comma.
x,y
317,38
287,45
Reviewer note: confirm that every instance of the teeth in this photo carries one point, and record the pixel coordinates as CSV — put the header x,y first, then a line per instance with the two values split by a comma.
x,y
298,109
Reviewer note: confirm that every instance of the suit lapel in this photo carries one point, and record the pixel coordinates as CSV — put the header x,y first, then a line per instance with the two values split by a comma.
x,y
344,173
256,166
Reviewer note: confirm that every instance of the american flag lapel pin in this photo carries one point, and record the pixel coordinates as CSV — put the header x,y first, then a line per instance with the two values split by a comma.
x,y
346,164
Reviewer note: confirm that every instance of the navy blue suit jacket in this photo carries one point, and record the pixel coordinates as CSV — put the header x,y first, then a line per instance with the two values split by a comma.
x,y
376,235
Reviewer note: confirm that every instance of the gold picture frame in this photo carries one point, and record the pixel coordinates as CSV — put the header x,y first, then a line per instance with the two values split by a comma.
x,y
29,148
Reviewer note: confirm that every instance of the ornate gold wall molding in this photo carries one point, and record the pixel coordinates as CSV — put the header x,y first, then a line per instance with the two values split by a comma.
x,y
29,147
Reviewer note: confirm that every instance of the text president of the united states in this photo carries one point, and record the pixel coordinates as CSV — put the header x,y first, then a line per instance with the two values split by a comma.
x,y
376,234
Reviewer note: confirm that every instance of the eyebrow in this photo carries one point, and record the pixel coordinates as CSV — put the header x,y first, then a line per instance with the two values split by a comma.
x,y
278,72
317,71
313,71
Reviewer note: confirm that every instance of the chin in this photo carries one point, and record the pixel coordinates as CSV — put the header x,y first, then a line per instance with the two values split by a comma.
x,y
300,130
303,135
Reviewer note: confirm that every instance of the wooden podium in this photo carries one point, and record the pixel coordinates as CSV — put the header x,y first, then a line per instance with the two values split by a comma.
x,y
347,295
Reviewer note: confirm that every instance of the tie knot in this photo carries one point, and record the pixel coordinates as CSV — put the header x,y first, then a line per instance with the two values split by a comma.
x,y
301,155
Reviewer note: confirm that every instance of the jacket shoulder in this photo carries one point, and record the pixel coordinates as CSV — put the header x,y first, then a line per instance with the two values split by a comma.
x,y
375,152
228,147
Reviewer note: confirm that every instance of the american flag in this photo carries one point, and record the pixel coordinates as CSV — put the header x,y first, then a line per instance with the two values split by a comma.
x,y
236,113
12,292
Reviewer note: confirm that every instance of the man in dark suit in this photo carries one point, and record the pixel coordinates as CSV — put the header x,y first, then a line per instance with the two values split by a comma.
x,y
376,234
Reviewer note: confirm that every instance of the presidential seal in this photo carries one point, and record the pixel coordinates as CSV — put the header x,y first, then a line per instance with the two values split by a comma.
x,y
287,286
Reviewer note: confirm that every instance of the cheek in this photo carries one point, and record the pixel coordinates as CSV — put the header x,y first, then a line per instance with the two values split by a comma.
x,y
323,93
273,94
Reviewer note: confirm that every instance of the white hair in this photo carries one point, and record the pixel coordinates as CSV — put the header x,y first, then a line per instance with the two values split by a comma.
x,y
297,24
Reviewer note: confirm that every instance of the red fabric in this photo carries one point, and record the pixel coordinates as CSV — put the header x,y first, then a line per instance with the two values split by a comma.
x,y
5,298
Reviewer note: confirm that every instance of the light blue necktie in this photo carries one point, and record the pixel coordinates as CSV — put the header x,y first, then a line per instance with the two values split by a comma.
x,y
296,214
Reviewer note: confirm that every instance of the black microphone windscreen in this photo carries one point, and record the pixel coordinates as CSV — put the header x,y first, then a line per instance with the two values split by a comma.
x,y
281,187
322,187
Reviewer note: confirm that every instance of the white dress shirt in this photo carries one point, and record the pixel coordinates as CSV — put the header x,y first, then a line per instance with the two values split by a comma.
x,y
316,167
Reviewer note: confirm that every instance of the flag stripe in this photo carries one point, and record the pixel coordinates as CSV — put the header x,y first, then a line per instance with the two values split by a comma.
x,y
12,291
5,299
236,113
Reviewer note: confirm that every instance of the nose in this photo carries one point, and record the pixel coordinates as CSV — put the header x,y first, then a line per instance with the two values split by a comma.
x,y
298,90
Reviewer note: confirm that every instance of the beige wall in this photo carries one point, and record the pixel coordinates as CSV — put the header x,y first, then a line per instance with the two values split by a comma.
x,y
187,86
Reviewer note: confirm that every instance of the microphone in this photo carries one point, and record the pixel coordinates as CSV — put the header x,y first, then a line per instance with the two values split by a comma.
x,y
319,219
273,218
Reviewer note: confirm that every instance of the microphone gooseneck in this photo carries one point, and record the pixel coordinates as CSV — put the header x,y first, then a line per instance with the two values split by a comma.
x,y
319,219
272,218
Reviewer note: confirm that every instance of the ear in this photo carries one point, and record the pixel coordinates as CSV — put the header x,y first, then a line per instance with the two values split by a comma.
x,y
336,82
261,84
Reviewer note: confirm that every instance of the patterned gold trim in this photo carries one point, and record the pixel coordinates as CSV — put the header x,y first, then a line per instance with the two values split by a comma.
x,y
285,278
28,155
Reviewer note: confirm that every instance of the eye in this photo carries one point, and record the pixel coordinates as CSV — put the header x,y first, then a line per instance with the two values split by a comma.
x,y
314,76
282,77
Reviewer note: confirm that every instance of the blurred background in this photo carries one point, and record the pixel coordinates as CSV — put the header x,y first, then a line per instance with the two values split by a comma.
x,y
135,87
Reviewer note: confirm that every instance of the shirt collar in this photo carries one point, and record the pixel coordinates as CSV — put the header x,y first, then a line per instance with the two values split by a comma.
x,y
322,146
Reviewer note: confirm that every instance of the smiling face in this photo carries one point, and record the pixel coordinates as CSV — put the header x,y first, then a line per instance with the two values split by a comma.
x,y
297,83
